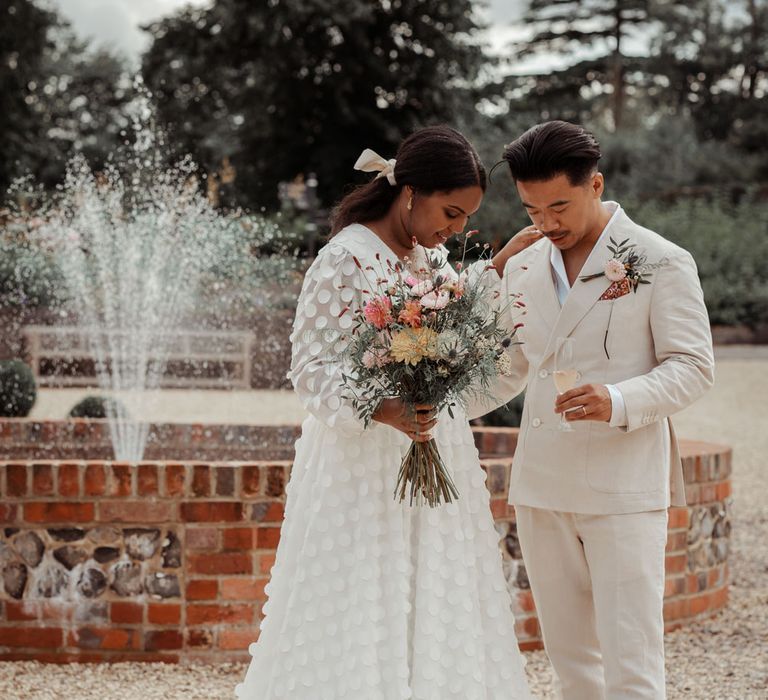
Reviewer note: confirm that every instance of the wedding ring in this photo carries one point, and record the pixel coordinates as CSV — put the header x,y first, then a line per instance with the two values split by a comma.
x,y
584,408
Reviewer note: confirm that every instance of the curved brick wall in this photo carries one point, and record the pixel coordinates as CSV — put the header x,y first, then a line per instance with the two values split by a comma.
x,y
168,560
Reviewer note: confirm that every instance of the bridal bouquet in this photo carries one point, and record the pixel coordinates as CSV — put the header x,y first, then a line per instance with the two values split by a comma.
x,y
427,336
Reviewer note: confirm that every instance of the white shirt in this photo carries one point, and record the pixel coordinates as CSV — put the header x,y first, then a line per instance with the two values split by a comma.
x,y
563,288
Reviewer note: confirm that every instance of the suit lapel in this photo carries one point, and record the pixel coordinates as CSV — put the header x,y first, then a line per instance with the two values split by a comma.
x,y
582,297
542,295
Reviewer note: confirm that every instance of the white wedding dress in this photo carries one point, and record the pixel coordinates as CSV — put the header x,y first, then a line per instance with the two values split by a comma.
x,y
370,598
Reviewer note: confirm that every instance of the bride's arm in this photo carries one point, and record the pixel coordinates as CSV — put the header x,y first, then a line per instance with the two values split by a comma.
x,y
517,244
321,333
498,293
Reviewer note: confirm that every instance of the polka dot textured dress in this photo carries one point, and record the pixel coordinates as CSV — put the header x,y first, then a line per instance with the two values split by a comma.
x,y
369,598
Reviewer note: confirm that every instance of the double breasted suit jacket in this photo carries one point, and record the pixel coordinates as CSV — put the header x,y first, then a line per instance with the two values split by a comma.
x,y
654,345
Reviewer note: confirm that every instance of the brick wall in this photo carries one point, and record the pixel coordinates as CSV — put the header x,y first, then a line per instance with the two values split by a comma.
x,y
85,439
168,560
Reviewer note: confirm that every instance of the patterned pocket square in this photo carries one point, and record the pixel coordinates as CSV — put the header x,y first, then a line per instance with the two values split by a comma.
x,y
617,290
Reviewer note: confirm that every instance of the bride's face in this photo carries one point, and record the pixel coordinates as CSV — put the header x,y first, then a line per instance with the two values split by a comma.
x,y
435,217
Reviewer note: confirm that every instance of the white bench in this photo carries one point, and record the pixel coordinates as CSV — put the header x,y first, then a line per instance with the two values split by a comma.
x,y
61,356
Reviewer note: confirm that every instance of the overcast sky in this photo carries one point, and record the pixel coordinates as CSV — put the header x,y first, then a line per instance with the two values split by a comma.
x,y
115,23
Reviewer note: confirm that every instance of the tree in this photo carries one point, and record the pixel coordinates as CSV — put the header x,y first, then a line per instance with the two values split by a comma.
x,y
24,29
591,37
79,99
710,60
692,56
56,97
290,87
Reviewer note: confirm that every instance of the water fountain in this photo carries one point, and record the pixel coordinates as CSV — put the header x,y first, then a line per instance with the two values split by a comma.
x,y
134,243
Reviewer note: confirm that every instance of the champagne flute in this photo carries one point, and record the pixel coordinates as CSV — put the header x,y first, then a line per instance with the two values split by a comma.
x,y
565,375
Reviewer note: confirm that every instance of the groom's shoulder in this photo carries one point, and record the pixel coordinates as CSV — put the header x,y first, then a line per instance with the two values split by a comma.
x,y
525,258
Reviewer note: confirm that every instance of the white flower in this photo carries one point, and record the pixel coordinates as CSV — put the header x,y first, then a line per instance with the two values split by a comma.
x,y
504,365
447,341
615,270
422,288
435,300
485,344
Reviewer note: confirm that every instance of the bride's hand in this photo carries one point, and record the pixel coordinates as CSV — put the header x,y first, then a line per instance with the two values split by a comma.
x,y
416,425
518,243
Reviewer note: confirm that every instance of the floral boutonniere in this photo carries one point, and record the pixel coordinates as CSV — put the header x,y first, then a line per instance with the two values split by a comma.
x,y
626,270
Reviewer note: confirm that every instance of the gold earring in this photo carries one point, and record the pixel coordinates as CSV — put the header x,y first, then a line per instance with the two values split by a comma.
x,y
409,206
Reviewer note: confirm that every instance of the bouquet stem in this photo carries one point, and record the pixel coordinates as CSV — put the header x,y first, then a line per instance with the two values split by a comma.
x,y
424,476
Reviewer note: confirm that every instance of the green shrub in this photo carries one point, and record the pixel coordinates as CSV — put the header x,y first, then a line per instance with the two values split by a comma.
x,y
730,245
507,416
18,390
28,276
97,407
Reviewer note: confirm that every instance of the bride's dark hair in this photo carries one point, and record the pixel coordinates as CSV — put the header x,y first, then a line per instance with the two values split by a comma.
x,y
432,159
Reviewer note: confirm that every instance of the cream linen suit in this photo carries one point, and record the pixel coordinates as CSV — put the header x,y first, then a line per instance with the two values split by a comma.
x,y
591,504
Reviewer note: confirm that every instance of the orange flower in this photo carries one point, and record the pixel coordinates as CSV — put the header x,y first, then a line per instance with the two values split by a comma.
x,y
411,314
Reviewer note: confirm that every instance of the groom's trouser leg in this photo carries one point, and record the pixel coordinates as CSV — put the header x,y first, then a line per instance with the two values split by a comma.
x,y
625,556
560,582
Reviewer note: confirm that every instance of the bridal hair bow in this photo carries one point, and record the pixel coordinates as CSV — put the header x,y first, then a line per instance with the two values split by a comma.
x,y
370,161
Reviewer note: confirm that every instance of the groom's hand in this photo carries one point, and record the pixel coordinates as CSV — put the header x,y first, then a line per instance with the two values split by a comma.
x,y
588,402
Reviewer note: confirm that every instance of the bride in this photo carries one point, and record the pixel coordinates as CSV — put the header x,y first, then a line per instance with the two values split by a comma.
x,y
370,598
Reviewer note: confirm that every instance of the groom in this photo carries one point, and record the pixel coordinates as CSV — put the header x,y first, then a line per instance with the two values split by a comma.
x,y
592,504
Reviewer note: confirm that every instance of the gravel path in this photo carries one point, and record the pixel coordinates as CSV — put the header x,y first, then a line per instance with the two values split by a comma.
x,y
725,658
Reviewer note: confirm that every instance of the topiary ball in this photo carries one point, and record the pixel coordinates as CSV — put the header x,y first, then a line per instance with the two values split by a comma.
x,y
18,390
96,407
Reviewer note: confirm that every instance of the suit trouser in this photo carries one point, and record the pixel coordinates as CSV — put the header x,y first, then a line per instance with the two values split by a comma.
x,y
598,586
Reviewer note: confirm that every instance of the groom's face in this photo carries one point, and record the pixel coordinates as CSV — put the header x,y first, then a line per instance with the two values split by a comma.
x,y
563,212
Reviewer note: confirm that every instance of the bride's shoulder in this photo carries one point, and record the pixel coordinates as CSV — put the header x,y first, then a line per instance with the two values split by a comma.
x,y
354,239
341,254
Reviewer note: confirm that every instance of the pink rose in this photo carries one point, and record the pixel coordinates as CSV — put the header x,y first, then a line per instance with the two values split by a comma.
x,y
615,270
436,300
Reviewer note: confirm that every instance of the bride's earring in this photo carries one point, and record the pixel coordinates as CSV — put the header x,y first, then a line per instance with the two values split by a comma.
x,y
409,206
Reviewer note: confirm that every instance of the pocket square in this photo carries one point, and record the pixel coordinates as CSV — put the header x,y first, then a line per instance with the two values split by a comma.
x,y
617,290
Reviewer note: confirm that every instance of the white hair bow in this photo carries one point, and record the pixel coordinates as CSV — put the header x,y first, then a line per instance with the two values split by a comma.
x,y
370,161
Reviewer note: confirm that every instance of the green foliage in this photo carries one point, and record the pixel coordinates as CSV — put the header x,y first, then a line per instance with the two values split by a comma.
x,y
297,86
596,86
709,62
18,390
97,407
56,96
81,97
260,265
24,28
730,245
29,275
661,160
509,415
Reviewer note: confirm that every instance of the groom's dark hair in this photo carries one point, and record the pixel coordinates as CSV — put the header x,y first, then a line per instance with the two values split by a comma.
x,y
551,149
